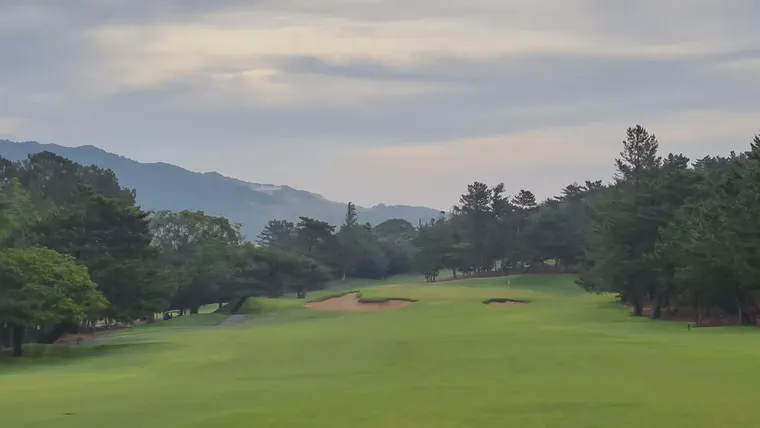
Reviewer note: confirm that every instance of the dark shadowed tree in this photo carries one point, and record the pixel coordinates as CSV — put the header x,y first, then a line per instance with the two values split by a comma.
x,y
277,234
111,238
201,250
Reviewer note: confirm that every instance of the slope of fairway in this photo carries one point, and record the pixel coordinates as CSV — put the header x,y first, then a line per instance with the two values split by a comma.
x,y
565,359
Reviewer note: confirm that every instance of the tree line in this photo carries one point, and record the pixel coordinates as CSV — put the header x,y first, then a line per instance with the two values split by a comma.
x,y
76,251
351,249
666,234
490,232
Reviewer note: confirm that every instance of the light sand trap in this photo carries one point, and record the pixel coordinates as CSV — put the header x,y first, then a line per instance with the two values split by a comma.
x,y
352,303
504,302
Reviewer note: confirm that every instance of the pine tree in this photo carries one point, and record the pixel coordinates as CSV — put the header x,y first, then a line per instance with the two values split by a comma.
x,y
348,241
277,234
475,216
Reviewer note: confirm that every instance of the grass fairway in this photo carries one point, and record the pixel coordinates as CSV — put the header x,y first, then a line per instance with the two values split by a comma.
x,y
566,359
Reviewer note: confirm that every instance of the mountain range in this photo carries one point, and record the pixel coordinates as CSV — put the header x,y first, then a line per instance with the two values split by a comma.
x,y
162,186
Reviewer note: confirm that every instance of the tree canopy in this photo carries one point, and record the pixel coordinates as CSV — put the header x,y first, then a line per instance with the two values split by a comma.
x,y
666,234
40,286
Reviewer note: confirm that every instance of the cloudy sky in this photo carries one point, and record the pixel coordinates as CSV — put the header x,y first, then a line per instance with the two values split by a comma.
x,y
395,101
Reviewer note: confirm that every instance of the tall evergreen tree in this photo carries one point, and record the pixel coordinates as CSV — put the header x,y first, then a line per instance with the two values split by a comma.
x,y
348,241
277,234
475,216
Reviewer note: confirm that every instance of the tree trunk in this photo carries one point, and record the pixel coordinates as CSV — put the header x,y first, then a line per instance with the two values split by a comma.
x,y
301,294
744,314
344,274
638,308
5,336
657,306
220,306
454,271
698,308
234,308
739,312
18,340
752,310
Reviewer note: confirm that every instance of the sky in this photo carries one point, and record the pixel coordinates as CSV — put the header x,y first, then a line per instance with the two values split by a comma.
x,y
382,101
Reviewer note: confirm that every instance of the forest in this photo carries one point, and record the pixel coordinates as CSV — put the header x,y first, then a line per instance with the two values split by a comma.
x,y
666,234
670,236
78,253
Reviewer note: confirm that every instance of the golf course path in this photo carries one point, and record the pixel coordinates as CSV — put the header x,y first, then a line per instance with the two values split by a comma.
x,y
233,320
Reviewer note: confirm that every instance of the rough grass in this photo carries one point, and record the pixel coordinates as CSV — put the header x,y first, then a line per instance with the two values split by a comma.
x,y
184,322
568,359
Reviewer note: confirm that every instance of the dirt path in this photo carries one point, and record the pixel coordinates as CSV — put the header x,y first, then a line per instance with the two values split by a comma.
x,y
352,303
233,320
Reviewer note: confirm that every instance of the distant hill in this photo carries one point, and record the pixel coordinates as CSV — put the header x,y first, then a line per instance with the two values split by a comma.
x,y
166,186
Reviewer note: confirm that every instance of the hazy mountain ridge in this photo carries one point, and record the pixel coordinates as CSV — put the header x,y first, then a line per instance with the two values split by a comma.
x,y
165,186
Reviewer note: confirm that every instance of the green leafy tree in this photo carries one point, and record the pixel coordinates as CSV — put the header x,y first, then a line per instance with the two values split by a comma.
x,y
299,274
433,247
17,215
396,240
56,180
40,286
267,272
111,238
316,239
201,250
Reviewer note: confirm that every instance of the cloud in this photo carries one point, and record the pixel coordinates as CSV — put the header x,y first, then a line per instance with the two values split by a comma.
x,y
23,17
275,88
548,159
247,39
139,57
413,100
9,126
593,144
745,70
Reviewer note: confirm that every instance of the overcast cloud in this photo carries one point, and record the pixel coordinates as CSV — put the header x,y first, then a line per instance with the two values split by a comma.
x,y
395,101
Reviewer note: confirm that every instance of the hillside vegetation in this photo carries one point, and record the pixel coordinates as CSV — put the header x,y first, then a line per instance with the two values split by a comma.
x,y
162,186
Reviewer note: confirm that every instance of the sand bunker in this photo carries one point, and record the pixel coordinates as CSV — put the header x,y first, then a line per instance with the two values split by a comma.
x,y
351,302
505,302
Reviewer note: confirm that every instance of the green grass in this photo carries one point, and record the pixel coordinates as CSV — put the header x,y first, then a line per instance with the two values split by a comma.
x,y
567,359
338,286
185,322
